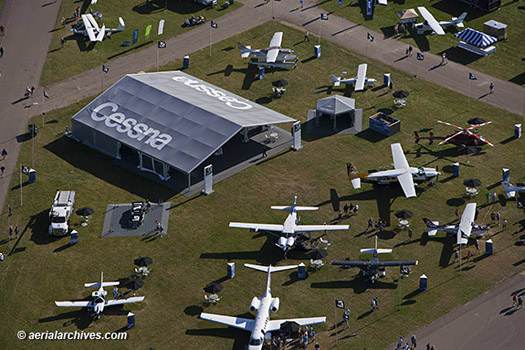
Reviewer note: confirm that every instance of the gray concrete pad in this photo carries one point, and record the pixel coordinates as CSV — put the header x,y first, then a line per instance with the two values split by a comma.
x,y
116,222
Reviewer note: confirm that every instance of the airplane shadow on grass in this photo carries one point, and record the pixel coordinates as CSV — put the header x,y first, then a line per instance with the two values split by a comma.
x,y
83,318
269,254
251,73
241,337
358,284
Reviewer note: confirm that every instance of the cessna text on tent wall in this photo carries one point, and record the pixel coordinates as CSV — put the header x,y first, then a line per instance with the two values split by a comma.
x,y
221,96
130,126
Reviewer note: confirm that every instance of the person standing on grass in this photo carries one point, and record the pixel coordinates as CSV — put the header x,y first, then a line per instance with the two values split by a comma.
x,y
456,254
370,224
505,222
2,170
477,246
17,230
457,213
413,340
306,36
410,234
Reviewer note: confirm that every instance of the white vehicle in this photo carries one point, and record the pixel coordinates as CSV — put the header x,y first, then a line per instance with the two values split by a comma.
x,y
60,213
358,82
262,324
89,27
403,173
273,56
510,190
430,22
206,2
290,228
99,298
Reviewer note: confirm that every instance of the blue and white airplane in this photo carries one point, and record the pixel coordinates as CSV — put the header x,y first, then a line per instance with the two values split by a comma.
x,y
290,228
510,189
262,323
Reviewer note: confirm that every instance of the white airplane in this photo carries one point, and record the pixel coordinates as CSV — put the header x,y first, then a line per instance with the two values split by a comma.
x,y
89,27
290,228
273,56
403,173
358,82
510,189
465,228
99,298
261,324
432,24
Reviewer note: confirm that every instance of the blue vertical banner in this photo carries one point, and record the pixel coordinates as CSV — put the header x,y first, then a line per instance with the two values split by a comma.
x,y
135,37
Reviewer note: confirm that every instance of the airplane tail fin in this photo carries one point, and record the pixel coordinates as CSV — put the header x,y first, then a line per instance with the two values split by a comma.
x,y
460,20
429,223
505,175
245,50
432,226
102,283
508,189
121,24
335,80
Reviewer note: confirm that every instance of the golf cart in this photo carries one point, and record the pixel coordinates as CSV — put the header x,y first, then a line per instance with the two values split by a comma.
x,y
137,214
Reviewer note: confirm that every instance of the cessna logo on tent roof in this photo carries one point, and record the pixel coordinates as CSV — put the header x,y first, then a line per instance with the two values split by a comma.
x,y
221,96
130,126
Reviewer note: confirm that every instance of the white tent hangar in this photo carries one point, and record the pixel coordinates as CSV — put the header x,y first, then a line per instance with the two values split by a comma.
x,y
169,119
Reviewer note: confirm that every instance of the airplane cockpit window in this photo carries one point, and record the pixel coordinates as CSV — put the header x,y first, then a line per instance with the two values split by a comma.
x,y
256,341
420,171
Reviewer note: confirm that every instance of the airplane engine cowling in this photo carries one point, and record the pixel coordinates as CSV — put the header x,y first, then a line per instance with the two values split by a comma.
x,y
281,242
275,305
290,242
254,305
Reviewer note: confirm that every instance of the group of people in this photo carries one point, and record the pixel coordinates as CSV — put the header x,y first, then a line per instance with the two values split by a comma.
x,y
30,91
305,335
517,301
406,346
2,167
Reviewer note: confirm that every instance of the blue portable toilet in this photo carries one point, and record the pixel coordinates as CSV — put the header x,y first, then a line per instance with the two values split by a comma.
x,y
74,237
423,282
386,79
186,62
317,51
131,320
231,270
369,5
489,247
301,271
261,72
455,169
32,176
517,131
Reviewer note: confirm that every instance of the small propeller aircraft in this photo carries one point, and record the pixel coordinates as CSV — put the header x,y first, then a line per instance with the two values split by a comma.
x,y
99,298
432,24
371,268
264,305
290,228
358,82
464,137
273,56
89,27
403,173
510,189
464,230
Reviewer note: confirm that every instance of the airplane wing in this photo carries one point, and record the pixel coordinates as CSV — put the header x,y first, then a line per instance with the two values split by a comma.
x,y
382,2
400,161
276,40
272,55
101,33
277,207
257,227
407,184
124,301
431,21
350,263
305,228
361,75
237,322
275,325
90,30
73,303
465,225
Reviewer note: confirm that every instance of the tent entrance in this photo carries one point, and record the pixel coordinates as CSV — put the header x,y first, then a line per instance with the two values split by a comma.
x,y
152,165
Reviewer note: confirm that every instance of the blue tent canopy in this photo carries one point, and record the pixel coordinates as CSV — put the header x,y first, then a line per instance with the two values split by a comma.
x,y
476,38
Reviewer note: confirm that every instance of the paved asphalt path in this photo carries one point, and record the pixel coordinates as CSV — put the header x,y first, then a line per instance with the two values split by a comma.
x,y
487,322
28,26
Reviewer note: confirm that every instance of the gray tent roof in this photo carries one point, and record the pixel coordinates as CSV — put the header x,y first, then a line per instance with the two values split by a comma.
x,y
180,122
335,105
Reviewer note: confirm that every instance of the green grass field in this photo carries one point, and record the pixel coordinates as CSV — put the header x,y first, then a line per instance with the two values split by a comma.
x,y
78,54
506,63
199,243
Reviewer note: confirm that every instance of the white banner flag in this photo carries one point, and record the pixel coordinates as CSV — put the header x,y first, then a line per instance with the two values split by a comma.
x,y
161,27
